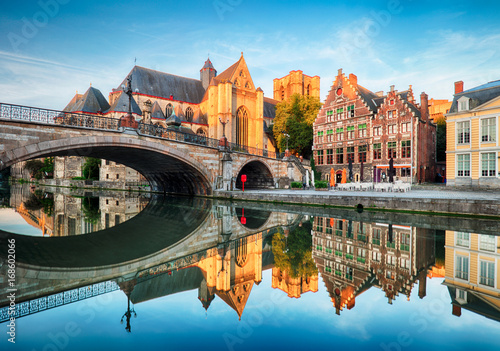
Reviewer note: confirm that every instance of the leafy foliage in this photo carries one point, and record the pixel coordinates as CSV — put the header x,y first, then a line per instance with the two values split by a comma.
x,y
91,210
296,185
295,117
40,200
317,174
321,184
40,169
294,254
441,140
91,168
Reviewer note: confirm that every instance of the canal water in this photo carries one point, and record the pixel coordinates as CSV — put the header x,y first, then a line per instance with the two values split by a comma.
x,y
115,270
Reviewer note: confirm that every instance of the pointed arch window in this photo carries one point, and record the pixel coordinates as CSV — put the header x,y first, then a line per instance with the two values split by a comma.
x,y
242,126
168,110
241,252
189,114
308,89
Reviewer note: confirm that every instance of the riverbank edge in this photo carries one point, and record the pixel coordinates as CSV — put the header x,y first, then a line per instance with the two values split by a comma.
x,y
480,209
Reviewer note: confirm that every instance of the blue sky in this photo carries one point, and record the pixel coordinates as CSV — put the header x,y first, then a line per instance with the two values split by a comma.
x,y
51,48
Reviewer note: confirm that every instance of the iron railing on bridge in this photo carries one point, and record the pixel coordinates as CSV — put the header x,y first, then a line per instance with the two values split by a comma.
x,y
94,121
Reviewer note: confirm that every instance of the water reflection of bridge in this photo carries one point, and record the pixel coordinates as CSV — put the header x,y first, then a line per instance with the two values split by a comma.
x,y
171,241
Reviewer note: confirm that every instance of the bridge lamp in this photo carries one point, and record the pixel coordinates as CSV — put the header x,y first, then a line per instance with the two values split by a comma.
x,y
223,126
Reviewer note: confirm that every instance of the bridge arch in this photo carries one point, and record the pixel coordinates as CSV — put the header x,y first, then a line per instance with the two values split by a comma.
x,y
259,175
167,168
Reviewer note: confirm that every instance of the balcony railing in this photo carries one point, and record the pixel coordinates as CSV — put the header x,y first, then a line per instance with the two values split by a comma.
x,y
93,121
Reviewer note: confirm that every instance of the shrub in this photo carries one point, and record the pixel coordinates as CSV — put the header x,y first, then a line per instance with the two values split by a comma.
x,y
296,185
78,178
321,184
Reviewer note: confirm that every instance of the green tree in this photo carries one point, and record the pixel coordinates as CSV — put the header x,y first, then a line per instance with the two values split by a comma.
x,y
91,168
40,169
295,117
90,209
441,140
294,253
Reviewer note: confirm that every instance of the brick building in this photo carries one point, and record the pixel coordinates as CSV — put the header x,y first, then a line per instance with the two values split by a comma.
x,y
371,128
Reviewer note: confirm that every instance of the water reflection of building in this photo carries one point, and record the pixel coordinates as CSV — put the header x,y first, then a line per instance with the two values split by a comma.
x,y
73,215
116,210
294,287
354,256
228,272
472,274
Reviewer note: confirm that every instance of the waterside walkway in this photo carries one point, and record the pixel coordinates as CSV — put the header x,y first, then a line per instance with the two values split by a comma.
x,y
437,199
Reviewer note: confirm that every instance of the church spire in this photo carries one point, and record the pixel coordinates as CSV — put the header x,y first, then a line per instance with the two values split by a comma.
x,y
207,73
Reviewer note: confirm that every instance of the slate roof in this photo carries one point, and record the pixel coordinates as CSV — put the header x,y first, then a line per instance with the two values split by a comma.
x,y
160,84
91,102
71,104
478,95
270,107
121,105
208,64
156,111
369,97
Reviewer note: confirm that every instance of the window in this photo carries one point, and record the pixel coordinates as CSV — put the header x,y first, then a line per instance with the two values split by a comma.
x,y
329,156
405,172
487,243
350,153
362,153
340,134
462,267
392,129
463,132
377,131
376,256
463,104
350,132
391,149
189,114
319,223
377,151
487,273
350,110
340,155
391,114
463,165
376,236
405,242
488,164
117,176
405,127
168,110
362,130
242,126
462,239
320,157
488,129
117,219
406,148
391,260
340,113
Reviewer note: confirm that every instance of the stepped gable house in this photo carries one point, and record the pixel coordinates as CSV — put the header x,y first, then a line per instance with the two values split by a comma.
x,y
371,128
199,105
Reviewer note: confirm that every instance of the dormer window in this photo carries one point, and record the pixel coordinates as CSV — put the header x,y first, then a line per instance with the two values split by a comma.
x,y
463,104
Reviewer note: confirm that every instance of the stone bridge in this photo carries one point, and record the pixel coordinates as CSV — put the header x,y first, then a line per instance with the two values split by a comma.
x,y
170,160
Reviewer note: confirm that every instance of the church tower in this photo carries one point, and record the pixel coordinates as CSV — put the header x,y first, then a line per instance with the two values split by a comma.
x,y
207,73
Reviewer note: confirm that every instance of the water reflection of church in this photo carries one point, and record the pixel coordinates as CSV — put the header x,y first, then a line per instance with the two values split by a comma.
x,y
354,256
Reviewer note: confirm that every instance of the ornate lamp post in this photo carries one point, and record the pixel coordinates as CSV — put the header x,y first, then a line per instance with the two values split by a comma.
x,y
128,313
128,120
223,140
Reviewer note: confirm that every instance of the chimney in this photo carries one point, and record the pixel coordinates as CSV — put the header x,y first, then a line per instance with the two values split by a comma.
x,y
392,88
459,87
457,311
354,79
424,106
